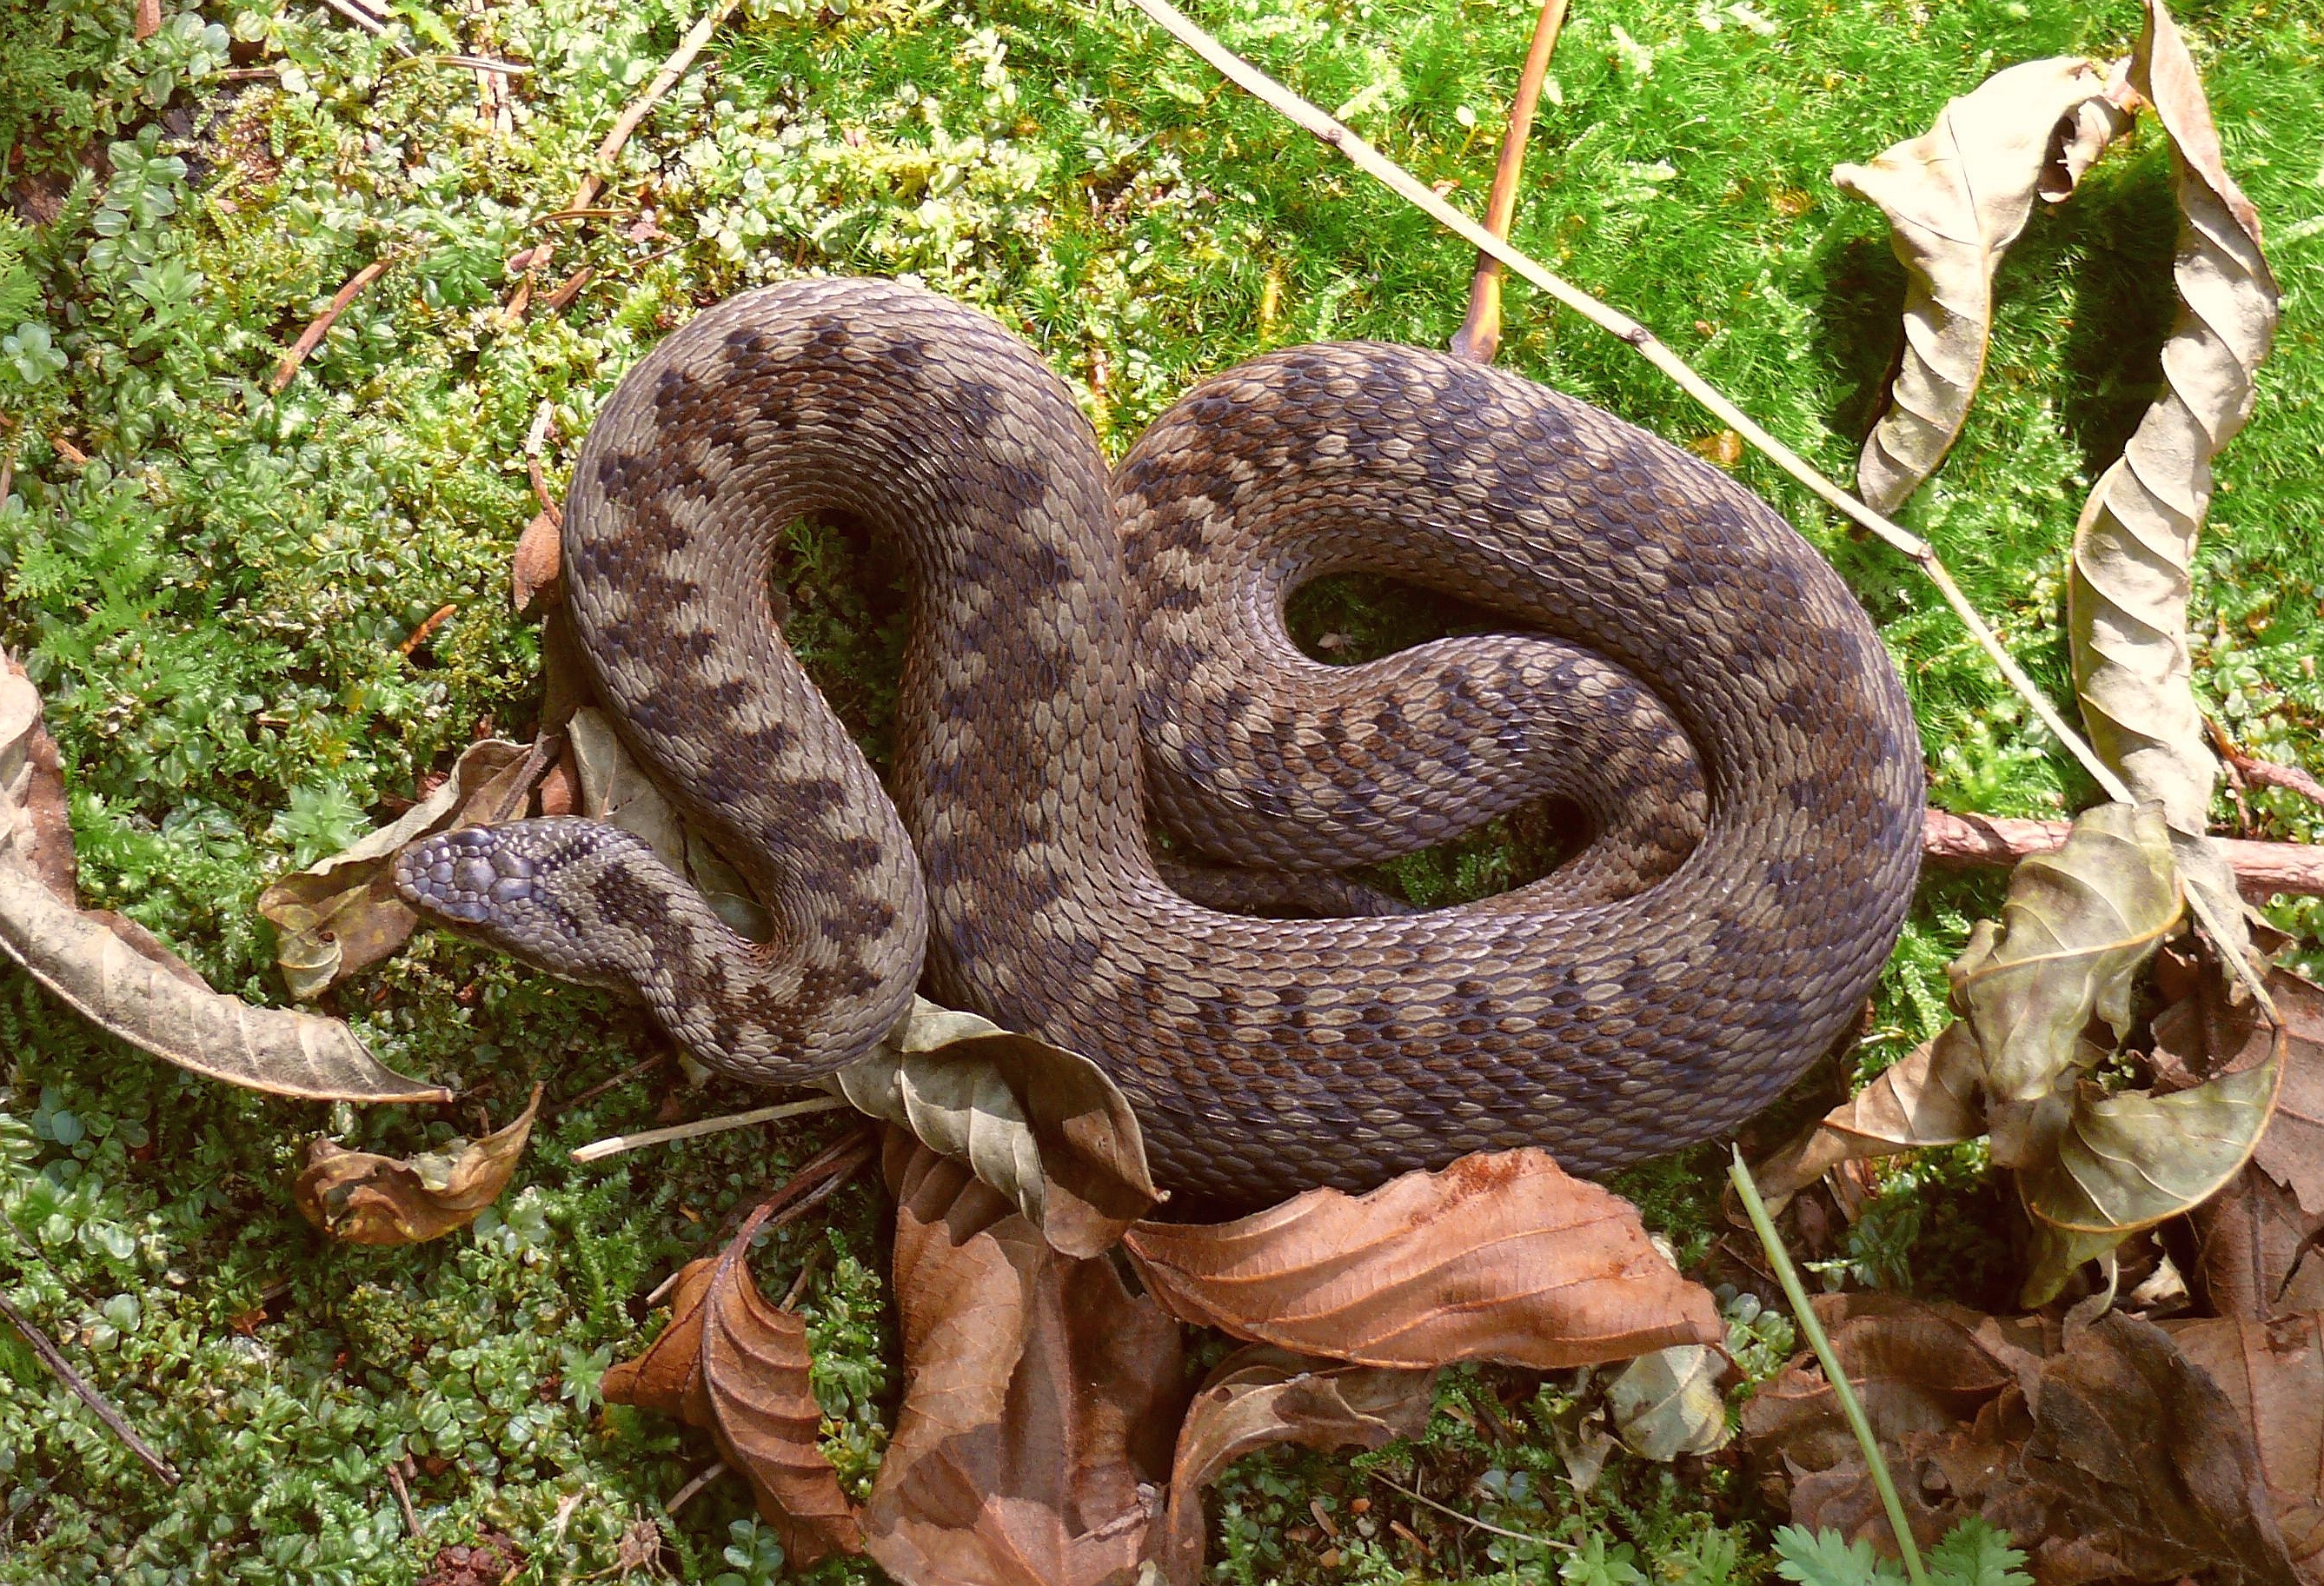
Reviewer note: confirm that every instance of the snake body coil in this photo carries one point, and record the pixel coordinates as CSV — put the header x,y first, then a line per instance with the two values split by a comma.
x,y
1682,666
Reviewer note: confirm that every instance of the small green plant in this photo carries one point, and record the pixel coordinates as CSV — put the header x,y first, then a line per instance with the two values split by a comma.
x,y
1972,1554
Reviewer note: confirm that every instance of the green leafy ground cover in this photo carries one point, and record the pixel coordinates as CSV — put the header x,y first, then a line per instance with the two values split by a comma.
x,y
213,603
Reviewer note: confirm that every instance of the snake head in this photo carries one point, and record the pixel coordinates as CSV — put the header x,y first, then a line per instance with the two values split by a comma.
x,y
538,889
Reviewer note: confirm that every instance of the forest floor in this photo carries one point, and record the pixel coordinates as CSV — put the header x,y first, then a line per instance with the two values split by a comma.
x,y
214,583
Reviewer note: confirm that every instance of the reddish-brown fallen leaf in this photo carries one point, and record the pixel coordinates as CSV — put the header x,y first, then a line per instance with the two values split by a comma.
x,y
539,556
1260,1396
371,1200
737,1366
1501,1257
755,1373
2272,1373
2108,1456
1040,1397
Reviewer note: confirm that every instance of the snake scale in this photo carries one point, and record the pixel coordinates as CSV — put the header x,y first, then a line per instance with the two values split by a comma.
x,y
1087,648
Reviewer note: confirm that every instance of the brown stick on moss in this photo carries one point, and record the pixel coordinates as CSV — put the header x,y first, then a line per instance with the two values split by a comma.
x,y
1479,335
2263,870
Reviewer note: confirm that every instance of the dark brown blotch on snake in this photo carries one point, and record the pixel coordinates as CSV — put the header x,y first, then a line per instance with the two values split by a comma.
x,y
1682,668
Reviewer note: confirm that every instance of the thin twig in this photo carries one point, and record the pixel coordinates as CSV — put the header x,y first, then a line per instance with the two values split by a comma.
x,y
603,1085
598,1150
807,1272
1850,1406
113,1418
1472,1520
816,1181
2265,772
368,23
2263,870
403,1500
609,149
312,336
1479,335
685,1494
478,63
1404,185
534,440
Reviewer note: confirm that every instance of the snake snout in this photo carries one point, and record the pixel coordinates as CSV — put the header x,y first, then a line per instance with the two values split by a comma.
x,y
468,876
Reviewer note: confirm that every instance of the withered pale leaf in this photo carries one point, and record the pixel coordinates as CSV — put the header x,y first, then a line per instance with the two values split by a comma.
x,y
371,1200
1669,1403
1042,1125
1040,1397
616,789
1260,1396
341,916
1956,197
2078,926
1927,1098
1500,1257
2272,1373
119,977
2135,545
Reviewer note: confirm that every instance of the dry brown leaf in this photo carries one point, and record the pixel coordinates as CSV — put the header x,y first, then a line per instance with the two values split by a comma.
x,y
117,975
1041,1125
2057,1441
341,916
1260,1396
2272,1373
738,1367
1927,1098
1956,197
1500,1257
1040,1397
538,558
371,1200
2135,545
668,1377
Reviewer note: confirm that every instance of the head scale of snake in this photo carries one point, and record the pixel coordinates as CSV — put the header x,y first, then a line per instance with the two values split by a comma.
x,y
1264,1057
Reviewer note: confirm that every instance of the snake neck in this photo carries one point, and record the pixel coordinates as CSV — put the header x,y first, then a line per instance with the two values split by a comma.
x,y
929,424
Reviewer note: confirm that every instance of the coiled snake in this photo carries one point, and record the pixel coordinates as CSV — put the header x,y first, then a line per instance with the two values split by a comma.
x,y
1085,649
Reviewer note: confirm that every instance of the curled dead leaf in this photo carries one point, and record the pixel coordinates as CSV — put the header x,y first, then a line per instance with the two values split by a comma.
x,y
2077,927
1042,1125
1927,1098
2134,546
123,980
1500,1257
342,915
371,1200
1040,1397
1260,1396
738,1366
1956,197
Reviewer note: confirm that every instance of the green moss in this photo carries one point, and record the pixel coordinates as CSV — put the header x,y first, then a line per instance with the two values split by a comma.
x,y
216,606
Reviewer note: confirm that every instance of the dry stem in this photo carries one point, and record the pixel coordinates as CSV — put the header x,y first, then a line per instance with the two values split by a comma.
x,y
1479,335
2263,870
312,336
114,1422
